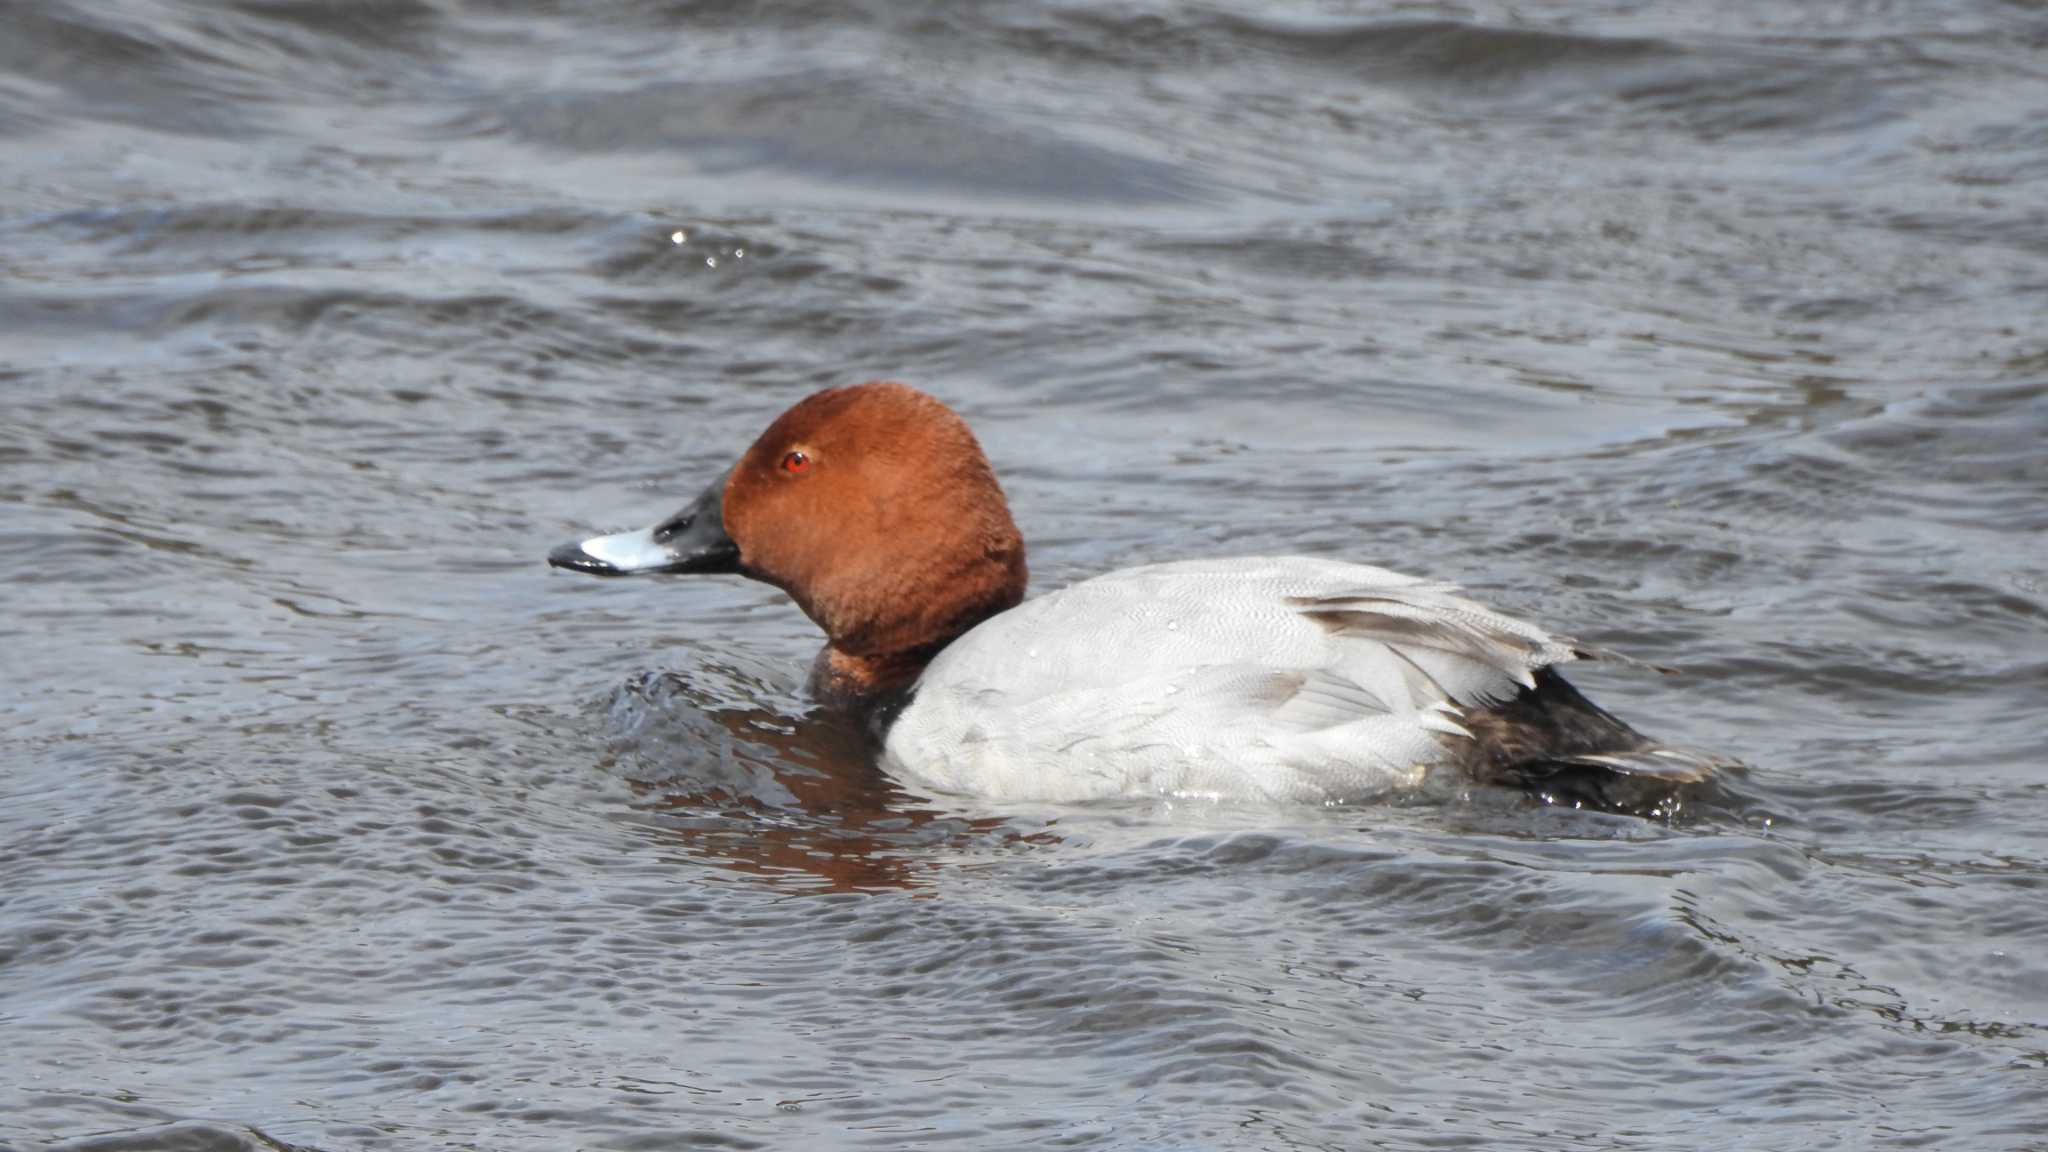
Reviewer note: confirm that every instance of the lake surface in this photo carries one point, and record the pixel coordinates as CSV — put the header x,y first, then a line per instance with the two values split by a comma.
x,y
333,819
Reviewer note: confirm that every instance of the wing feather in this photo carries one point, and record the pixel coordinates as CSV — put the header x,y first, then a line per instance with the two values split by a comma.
x,y
1461,650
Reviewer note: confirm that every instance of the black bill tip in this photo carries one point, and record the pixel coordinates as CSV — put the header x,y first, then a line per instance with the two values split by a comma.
x,y
575,559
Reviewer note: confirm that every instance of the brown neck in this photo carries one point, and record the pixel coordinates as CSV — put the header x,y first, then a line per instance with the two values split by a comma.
x,y
864,673
860,681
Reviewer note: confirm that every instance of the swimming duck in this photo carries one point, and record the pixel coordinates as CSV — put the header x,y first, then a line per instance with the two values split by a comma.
x,y
1290,679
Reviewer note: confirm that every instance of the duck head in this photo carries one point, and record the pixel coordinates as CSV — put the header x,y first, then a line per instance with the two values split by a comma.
x,y
872,506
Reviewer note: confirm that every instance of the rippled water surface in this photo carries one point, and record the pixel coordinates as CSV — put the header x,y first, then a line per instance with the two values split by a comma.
x,y
334,820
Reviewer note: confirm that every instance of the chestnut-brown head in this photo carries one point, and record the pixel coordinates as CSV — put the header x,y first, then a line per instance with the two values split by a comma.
x,y
872,506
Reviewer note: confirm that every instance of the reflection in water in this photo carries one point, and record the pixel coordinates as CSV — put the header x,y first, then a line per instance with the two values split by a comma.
x,y
793,796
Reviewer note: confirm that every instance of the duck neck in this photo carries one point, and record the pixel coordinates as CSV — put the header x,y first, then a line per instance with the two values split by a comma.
x,y
875,651
868,680
861,672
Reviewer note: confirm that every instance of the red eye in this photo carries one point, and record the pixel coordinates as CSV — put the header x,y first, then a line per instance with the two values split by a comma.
x,y
796,462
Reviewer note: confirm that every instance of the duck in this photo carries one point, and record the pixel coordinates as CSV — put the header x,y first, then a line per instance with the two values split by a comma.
x,y
1274,679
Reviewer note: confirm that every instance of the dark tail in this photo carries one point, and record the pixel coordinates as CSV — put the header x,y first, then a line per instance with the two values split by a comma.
x,y
1553,741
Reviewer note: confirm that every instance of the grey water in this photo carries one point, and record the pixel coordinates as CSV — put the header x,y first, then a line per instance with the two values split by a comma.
x,y
330,818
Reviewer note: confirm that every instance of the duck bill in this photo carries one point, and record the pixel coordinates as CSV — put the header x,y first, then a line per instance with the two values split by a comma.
x,y
692,540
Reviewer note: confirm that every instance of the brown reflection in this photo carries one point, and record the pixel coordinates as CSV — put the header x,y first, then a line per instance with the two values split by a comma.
x,y
832,822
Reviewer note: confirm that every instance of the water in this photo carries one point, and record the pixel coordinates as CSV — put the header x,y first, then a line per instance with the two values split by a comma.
x,y
334,820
